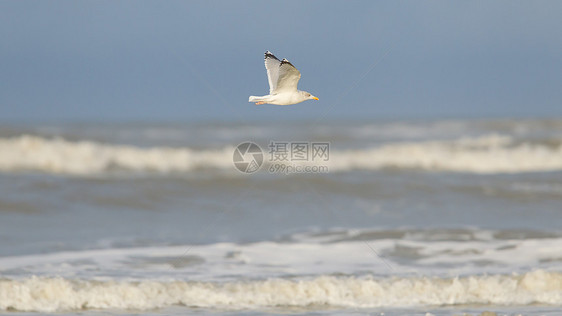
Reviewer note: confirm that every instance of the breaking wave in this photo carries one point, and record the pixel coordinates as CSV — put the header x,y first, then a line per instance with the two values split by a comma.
x,y
59,156
486,154
58,294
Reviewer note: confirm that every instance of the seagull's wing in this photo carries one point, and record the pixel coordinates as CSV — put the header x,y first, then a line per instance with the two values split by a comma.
x,y
272,66
288,77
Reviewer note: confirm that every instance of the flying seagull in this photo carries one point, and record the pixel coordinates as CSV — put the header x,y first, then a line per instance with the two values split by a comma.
x,y
283,79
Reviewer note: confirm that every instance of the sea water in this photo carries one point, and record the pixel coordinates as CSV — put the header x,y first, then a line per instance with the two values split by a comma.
x,y
403,218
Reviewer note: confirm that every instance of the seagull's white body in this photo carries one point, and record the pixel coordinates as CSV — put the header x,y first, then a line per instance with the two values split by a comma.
x,y
283,79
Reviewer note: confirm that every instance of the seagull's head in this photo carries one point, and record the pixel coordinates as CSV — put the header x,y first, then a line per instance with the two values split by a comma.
x,y
309,96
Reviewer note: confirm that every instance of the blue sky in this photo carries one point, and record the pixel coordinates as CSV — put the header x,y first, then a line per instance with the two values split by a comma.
x,y
200,60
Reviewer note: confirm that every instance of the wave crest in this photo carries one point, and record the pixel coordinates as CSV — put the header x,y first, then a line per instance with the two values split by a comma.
x,y
486,154
60,156
58,294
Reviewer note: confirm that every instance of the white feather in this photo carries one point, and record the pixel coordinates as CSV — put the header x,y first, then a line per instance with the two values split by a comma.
x,y
283,80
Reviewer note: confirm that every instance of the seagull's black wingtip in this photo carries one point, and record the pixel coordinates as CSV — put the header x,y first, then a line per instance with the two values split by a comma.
x,y
268,54
285,61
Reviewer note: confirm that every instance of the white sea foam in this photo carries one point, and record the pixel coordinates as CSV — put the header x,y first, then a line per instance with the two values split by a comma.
x,y
403,256
412,270
486,154
58,294
81,158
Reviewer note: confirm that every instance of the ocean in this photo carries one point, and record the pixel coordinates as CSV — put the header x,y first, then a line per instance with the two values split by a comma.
x,y
395,217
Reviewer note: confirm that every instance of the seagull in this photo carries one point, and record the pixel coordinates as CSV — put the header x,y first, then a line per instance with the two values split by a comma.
x,y
283,79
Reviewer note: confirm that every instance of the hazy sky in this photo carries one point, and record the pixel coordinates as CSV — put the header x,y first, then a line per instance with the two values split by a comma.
x,y
186,60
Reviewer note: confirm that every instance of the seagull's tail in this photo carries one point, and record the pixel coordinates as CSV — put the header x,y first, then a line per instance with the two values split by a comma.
x,y
256,99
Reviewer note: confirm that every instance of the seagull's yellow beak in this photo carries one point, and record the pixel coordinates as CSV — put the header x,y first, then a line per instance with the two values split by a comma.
x,y
315,98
